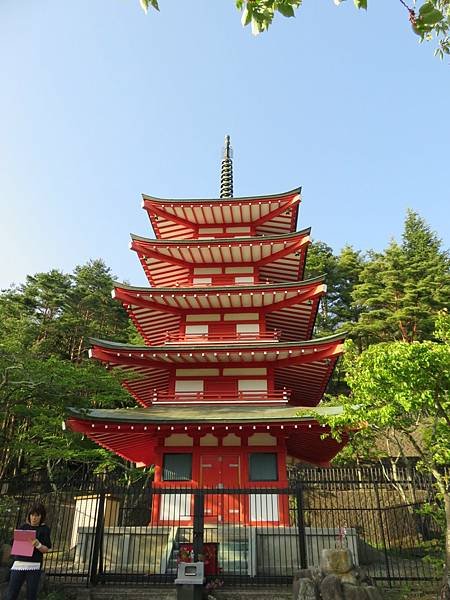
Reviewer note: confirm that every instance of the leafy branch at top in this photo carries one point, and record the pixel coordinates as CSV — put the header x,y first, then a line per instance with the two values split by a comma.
x,y
430,20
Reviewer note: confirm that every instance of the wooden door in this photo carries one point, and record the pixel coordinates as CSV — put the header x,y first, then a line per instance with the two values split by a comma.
x,y
231,477
219,472
224,388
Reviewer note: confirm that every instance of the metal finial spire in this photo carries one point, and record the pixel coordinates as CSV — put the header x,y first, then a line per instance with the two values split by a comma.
x,y
226,174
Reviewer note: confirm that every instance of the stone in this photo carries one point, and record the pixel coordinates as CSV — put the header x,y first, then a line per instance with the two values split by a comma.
x,y
331,588
310,573
374,593
338,560
354,592
306,590
351,577
313,574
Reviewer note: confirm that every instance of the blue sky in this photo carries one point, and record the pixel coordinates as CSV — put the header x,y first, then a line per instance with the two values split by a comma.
x,y
100,103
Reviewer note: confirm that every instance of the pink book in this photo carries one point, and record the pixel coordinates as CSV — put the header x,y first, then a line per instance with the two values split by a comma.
x,y
22,543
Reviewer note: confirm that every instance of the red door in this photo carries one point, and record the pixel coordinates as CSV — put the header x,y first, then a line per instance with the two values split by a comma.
x,y
222,331
224,388
231,477
219,472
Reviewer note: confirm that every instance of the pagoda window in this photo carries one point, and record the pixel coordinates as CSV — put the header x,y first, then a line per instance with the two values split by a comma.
x,y
177,467
239,270
188,385
197,330
241,317
244,279
252,385
263,466
202,280
246,329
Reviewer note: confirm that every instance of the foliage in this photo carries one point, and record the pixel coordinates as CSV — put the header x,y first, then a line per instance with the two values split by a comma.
x,y
43,367
401,290
342,272
399,387
430,20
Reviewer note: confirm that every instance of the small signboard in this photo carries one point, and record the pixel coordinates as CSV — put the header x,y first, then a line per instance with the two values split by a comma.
x,y
23,542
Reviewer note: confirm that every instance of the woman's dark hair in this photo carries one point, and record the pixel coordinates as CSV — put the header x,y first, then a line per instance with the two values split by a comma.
x,y
37,509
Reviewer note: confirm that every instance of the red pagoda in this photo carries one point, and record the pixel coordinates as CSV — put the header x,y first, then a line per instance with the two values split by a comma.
x,y
228,360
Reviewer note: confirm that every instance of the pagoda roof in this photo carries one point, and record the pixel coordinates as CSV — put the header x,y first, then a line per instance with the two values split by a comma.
x,y
302,367
267,215
289,307
135,434
279,258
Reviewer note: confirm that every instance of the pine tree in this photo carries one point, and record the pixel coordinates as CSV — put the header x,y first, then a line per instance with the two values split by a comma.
x,y
403,288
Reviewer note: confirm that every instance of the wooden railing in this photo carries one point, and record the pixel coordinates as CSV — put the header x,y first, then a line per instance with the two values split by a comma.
x,y
225,280
248,336
275,397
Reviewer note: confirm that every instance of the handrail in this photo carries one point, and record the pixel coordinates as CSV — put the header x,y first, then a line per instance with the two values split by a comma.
x,y
247,336
219,280
253,397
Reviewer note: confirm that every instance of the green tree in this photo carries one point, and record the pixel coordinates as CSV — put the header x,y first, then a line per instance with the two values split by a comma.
x,y
429,20
92,310
342,271
403,388
322,261
43,367
401,290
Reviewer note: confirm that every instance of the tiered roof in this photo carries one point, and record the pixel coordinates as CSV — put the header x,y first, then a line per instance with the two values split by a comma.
x,y
211,242
280,258
188,219
304,367
290,308
134,434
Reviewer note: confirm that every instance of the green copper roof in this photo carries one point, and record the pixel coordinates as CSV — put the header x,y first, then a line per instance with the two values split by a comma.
x,y
198,414
296,190
223,241
211,347
266,287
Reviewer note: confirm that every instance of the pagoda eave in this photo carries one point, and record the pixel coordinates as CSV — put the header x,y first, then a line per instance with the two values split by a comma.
x,y
234,200
129,433
266,296
225,354
290,309
261,215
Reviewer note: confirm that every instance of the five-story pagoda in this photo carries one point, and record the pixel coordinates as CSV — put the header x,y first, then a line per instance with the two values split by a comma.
x,y
228,359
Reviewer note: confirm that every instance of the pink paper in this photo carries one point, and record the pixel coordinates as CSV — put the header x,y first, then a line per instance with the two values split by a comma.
x,y
22,544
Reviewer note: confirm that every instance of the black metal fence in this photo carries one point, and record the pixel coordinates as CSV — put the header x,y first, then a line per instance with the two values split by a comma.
x,y
104,532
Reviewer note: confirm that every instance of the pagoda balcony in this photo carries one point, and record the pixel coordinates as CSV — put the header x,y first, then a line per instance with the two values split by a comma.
x,y
245,397
248,336
225,280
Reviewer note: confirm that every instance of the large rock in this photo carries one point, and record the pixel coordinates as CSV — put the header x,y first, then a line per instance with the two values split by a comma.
x,y
313,574
351,577
331,588
336,560
306,590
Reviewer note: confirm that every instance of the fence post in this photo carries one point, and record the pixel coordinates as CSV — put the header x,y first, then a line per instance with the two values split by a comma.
x,y
375,484
199,511
96,566
301,524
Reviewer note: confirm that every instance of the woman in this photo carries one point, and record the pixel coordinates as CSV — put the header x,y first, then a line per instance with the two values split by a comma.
x,y
28,568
